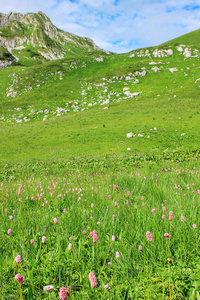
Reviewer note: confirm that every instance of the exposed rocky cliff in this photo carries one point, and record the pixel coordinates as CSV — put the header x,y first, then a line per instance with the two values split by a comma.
x,y
35,30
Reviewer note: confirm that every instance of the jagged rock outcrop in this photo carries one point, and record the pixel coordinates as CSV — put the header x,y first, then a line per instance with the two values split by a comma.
x,y
37,30
5,63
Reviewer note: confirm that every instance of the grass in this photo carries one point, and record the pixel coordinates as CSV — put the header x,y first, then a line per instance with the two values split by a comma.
x,y
57,92
191,38
4,54
75,190
106,132
64,156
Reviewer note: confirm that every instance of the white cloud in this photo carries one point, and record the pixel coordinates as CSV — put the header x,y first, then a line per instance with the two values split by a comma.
x,y
118,26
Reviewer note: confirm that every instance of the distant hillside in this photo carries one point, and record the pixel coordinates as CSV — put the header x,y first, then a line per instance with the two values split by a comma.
x,y
33,36
189,39
91,103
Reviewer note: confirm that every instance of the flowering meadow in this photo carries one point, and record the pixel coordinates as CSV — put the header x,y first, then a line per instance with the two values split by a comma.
x,y
104,233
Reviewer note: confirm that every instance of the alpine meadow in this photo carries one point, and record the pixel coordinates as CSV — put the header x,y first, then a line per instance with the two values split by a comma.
x,y
99,166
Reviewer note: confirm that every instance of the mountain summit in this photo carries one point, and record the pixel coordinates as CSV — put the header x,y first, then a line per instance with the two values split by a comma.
x,y
37,37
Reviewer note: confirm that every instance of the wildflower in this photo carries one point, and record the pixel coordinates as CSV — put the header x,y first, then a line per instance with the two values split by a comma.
x,y
92,233
128,193
63,293
19,278
167,236
98,223
116,204
95,238
114,187
109,263
44,239
32,241
18,259
163,217
54,185
71,238
194,226
113,216
113,238
70,246
93,279
9,231
117,254
149,236
140,247
11,217
171,215
106,287
92,205
48,288
19,191
55,221
153,210
142,203
182,219
109,196
68,289
84,232
164,208
169,259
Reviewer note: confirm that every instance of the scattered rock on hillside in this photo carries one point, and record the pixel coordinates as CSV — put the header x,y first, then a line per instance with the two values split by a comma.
x,y
138,73
130,135
129,94
179,48
187,53
99,59
172,70
162,53
155,69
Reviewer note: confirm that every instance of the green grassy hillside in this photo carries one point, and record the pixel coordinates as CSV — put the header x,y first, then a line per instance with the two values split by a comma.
x,y
191,39
87,105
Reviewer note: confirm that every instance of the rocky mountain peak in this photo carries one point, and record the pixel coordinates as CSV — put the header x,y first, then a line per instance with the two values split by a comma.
x,y
36,30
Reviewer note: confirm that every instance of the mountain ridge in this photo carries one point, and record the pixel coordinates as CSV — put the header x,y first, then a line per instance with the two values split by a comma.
x,y
35,32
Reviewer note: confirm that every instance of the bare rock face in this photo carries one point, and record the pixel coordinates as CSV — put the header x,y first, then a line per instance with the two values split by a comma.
x,y
5,63
37,30
12,43
6,20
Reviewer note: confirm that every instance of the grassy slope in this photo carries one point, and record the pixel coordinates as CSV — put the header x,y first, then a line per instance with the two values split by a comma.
x,y
98,131
191,38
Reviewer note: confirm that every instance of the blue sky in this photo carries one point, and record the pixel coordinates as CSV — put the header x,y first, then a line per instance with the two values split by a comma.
x,y
117,25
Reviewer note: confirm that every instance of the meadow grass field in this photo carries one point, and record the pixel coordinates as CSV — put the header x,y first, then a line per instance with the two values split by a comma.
x,y
95,218
87,213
